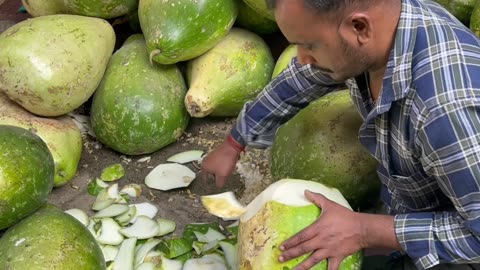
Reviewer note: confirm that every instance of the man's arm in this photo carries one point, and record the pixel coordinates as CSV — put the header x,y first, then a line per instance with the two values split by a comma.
x,y
450,144
284,97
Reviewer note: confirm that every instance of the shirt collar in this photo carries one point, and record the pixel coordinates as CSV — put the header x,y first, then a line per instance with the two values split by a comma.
x,y
398,73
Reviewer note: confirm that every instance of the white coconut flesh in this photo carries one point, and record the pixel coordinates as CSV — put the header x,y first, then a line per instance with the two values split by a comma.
x,y
291,192
223,205
169,176
186,157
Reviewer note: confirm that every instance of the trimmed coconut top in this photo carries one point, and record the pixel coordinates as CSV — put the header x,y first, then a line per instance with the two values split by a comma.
x,y
291,192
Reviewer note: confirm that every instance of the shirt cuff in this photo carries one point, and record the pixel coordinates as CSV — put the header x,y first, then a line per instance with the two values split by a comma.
x,y
235,134
415,234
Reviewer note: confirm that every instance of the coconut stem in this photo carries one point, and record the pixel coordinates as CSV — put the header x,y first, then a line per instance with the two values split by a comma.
x,y
153,54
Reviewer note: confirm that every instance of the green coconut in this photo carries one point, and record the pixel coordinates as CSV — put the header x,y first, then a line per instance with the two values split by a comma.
x,y
50,239
61,135
277,214
284,59
461,9
182,30
251,20
138,108
260,6
51,65
224,78
475,20
26,174
321,143
102,9
38,8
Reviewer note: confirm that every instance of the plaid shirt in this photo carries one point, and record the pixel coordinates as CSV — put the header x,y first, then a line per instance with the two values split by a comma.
x,y
424,130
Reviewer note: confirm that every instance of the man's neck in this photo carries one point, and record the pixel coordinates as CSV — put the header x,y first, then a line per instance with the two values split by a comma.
x,y
386,24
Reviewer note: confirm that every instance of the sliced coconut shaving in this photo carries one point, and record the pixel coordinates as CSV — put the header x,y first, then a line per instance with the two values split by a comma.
x,y
132,190
144,159
186,157
143,228
112,192
165,226
101,183
125,256
125,218
207,262
223,205
112,211
146,266
292,192
142,252
79,215
109,252
109,233
209,236
169,176
162,262
231,254
144,209
102,201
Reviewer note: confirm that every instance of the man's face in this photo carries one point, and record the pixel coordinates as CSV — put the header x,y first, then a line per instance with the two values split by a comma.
x,y
319,41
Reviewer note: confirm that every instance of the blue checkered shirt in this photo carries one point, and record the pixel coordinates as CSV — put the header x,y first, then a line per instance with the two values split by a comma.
x,y
424,130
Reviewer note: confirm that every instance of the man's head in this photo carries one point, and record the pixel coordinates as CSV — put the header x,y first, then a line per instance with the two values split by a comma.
x,y
341,37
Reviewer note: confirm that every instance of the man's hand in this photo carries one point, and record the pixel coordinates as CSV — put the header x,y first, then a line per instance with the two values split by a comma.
x,y
220,163
336,234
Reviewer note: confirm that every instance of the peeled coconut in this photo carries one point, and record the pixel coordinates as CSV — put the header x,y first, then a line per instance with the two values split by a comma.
x,y
224,78
26,174
51,65
275,215
321,143
61,135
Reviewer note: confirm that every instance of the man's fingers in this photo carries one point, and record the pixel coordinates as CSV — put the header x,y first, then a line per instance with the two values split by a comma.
x,y
334,263
299,238
299,250
316,257
220,180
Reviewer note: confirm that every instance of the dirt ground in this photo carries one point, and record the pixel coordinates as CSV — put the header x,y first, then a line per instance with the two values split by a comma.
x,y
182,205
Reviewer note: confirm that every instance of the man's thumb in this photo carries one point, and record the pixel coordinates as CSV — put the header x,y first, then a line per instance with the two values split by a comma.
x,y
316,198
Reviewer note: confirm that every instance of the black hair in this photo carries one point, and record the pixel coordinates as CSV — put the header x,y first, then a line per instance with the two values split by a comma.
x,y
320,5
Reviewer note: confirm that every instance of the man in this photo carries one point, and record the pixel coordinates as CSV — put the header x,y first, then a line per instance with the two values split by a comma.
x,y
413,72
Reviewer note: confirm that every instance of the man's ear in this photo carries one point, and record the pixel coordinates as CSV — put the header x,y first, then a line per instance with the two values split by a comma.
x,y
357,28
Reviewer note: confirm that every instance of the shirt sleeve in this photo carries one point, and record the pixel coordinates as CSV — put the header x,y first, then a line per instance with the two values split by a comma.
x,y
279,101
450,142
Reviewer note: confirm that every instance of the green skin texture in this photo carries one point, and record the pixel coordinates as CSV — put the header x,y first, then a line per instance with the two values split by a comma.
x,y
50,240
320,143
228,75
284,59
48,64
138,108
475,20
260,6
60,134
251,20
102,9
26,174
184,29
38,8
93,8
261,236
461,9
